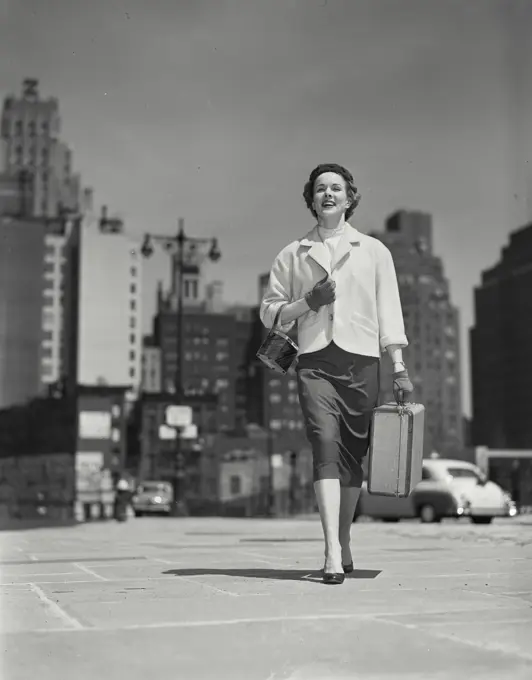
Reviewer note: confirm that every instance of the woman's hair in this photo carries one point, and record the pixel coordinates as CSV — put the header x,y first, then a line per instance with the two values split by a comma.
x,y
351,190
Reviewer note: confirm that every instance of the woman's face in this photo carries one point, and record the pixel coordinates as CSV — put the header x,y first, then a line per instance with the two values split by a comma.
x,y
330,195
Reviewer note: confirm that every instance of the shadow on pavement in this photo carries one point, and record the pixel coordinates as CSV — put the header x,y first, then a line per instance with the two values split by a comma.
x,y
31,524
277,574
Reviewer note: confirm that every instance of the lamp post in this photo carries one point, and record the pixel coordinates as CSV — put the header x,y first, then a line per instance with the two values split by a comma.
x,y
176,245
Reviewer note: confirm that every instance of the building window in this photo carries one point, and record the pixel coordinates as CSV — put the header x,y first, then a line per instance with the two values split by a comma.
x,y
46,352
47,335
133,288
132,339
132,355
275,398
47,371
133,271
18,128
131,372
132,322
236,484
133,305
44,128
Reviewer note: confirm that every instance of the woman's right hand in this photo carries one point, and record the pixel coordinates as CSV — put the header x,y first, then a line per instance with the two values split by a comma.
x,y
323,293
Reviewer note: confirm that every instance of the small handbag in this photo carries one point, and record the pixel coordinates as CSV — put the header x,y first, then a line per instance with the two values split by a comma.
x,y
278,351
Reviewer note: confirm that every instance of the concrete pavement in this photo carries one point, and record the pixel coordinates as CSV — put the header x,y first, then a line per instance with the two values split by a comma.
x,y
242,599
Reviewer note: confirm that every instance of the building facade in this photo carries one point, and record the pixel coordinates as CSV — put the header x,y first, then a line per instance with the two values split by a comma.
x,y
38,180
30,129
500,342
151,367
22,243
432,327
208,359
103,340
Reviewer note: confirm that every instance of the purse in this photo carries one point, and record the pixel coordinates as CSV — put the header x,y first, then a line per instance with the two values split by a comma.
x,y
278,351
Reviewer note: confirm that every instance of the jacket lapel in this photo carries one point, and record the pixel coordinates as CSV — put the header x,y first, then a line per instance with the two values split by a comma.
x,y
318,251
349,238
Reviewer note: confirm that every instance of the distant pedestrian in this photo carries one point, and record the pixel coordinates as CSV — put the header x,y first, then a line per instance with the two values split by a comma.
x,y
341,287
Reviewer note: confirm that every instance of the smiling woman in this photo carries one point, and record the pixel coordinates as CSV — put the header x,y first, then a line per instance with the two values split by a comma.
x,y
341,288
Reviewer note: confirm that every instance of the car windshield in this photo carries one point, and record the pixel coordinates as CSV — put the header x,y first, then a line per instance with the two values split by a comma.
x,y
151,488
463,473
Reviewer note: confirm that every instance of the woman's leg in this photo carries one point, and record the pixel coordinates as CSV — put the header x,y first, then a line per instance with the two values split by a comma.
x,y
349,496
328,497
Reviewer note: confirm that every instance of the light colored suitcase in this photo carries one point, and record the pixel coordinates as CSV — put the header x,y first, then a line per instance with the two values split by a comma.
x,y
396,449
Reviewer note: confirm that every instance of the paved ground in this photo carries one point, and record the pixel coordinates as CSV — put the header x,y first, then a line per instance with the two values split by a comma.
x,y
242,599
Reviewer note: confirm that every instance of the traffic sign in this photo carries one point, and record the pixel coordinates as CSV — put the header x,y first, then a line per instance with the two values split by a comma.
x,y
167,433
178,416
189,432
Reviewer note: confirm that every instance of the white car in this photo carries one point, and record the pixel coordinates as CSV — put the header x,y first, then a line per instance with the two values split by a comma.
x,y
449,488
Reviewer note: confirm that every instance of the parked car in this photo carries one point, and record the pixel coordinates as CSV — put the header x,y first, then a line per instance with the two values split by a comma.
x,y
153,497
448,488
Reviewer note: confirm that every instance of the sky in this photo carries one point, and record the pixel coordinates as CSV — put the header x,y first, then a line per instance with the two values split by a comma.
x,y
217,110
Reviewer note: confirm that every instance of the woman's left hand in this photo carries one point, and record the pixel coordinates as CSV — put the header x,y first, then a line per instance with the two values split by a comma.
x,y
402,387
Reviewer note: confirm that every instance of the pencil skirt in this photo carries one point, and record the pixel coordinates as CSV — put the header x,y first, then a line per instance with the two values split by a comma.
x,y
338,391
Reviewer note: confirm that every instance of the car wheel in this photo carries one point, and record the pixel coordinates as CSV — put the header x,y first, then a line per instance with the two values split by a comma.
x,y
138,513
481,520
390,519
427,513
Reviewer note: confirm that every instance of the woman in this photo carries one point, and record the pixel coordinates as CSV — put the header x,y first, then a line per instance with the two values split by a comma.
x,y
341,288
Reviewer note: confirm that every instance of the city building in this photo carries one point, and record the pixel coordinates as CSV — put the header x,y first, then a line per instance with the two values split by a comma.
x,y
500,343
16,194
37,179
151,366
432,327
30,129
208,360
22,244
273,399
102,304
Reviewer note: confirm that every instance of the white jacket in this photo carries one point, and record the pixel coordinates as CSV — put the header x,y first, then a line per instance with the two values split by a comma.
x,y
366,316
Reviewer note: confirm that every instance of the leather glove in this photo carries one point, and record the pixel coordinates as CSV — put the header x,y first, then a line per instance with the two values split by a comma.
x,y
402,387
322,294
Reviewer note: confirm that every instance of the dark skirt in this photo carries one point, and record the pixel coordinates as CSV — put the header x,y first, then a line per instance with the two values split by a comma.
x,y
338,391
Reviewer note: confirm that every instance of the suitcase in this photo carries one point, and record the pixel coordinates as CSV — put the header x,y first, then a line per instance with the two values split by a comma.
x,y
395,449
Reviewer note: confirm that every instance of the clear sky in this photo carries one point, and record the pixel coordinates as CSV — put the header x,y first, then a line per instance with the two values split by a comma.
x,y
216,110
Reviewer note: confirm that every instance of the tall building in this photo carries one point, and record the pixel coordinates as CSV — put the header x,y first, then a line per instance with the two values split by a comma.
x,y
103,340
273,400
208,359
38,173
432,327
22,243
30,129
151,367
500,343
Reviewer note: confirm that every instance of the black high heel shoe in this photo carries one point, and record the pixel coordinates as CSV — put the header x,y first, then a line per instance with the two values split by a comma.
x,y
348,568
333,579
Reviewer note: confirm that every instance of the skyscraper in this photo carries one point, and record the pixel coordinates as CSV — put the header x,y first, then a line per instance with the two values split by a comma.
x,y
32,152
30,129
103,335
431,323
501,340
21,263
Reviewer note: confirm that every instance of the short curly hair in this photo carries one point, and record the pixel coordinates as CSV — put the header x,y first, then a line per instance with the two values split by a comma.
x,y
351,190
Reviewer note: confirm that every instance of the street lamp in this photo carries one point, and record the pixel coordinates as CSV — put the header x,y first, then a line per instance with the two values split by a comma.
x,y
176,245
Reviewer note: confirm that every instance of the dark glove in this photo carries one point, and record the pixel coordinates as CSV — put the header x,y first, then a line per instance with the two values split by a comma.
x,y
322,294
402,387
